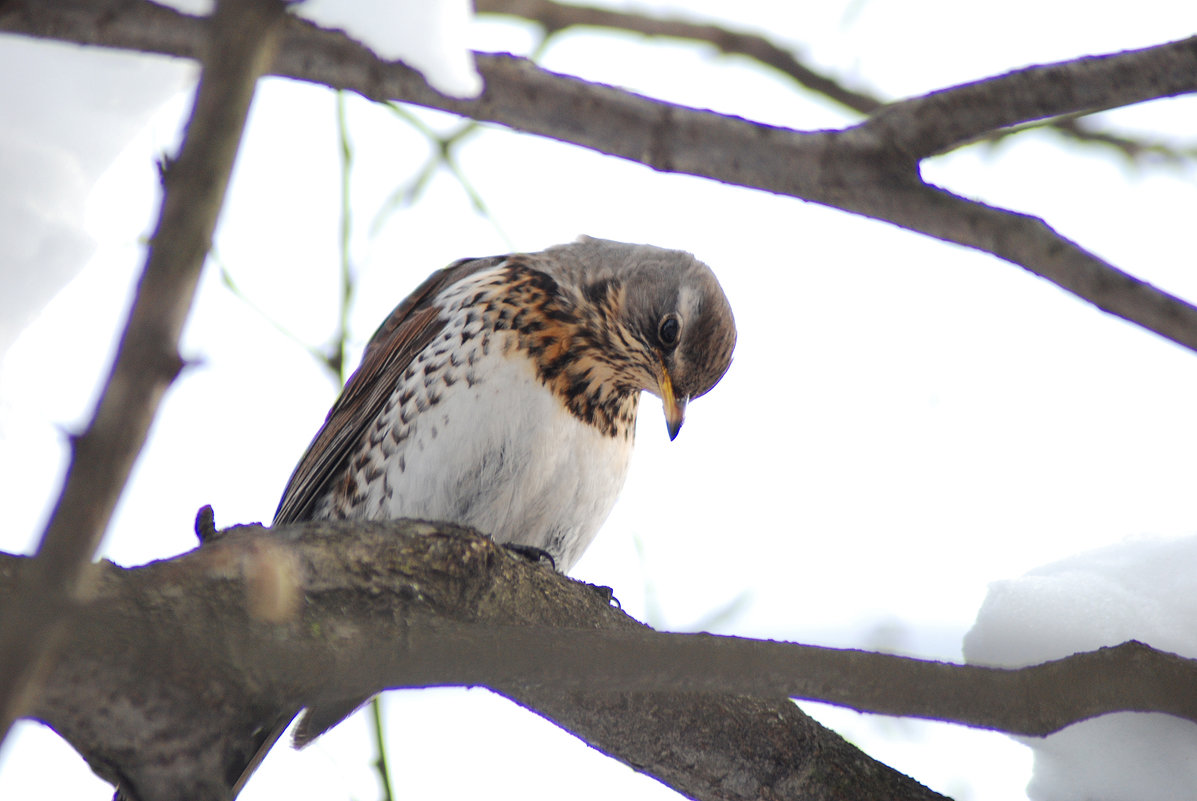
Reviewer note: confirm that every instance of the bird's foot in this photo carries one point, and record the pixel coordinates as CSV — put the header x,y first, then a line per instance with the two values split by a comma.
x,y
531,553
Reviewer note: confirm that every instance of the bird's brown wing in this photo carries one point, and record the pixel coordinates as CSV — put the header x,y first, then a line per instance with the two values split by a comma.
x,y
410,327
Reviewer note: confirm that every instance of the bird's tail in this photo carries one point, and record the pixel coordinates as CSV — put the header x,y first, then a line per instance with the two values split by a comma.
x,y
239,772
313,723
318,720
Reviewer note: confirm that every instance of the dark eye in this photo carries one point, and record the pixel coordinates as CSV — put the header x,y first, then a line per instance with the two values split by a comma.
x,y
668,331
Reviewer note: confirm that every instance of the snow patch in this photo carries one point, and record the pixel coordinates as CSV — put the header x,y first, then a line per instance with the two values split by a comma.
x,y
429,37
1141,590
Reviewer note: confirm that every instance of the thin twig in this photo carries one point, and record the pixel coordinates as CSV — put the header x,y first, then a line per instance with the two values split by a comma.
x,y
336,362
442,148
557,17
230,283
380,746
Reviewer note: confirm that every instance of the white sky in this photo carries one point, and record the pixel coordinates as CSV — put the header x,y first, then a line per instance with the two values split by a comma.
x,y
904,423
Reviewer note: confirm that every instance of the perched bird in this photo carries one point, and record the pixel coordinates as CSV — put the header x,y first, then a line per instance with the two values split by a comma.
x,y
502,394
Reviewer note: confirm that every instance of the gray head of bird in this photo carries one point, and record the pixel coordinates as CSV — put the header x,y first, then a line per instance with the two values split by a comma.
x,y
674,324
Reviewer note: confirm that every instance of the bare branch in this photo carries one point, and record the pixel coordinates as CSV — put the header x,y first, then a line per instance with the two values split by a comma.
x,y
409,604
947,119
1134,148
276,620
1032,701
869,169
147,358
555,17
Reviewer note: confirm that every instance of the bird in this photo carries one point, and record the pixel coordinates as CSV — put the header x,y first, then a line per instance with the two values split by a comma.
x,y
502,394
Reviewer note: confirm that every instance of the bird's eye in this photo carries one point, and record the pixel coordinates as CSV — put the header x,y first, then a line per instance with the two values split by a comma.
x,y
669,329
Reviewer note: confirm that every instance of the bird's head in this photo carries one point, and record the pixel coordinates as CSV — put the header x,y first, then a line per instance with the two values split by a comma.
x,y
675,332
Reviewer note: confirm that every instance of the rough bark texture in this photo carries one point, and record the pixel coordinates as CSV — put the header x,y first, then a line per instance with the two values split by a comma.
x,y
173,666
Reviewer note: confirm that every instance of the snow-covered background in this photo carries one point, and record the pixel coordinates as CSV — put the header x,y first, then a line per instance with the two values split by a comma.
x,y
913,437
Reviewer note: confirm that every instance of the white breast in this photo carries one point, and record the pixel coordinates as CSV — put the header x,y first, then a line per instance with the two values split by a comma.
x,y
500,453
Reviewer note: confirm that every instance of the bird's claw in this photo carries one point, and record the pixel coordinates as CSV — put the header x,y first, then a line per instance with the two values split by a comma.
x,y
531,553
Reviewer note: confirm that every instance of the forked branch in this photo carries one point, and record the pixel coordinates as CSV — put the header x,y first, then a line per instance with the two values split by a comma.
x,y
870,169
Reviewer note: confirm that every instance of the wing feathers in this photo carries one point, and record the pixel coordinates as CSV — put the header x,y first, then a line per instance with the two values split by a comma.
x,y
410,327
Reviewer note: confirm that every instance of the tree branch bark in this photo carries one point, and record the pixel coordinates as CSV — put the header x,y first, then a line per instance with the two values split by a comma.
x,y
147,358
950,118
870,169
555,18
277,620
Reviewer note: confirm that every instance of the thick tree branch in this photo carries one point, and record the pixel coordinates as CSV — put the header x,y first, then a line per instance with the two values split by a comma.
x,y
276,620
147,357
554,18
869,169
947,119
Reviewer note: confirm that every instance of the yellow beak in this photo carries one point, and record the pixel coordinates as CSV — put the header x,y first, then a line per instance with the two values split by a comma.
x,y
675,407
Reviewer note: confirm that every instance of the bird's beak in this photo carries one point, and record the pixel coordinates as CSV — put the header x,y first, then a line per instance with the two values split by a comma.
x,y
675,407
